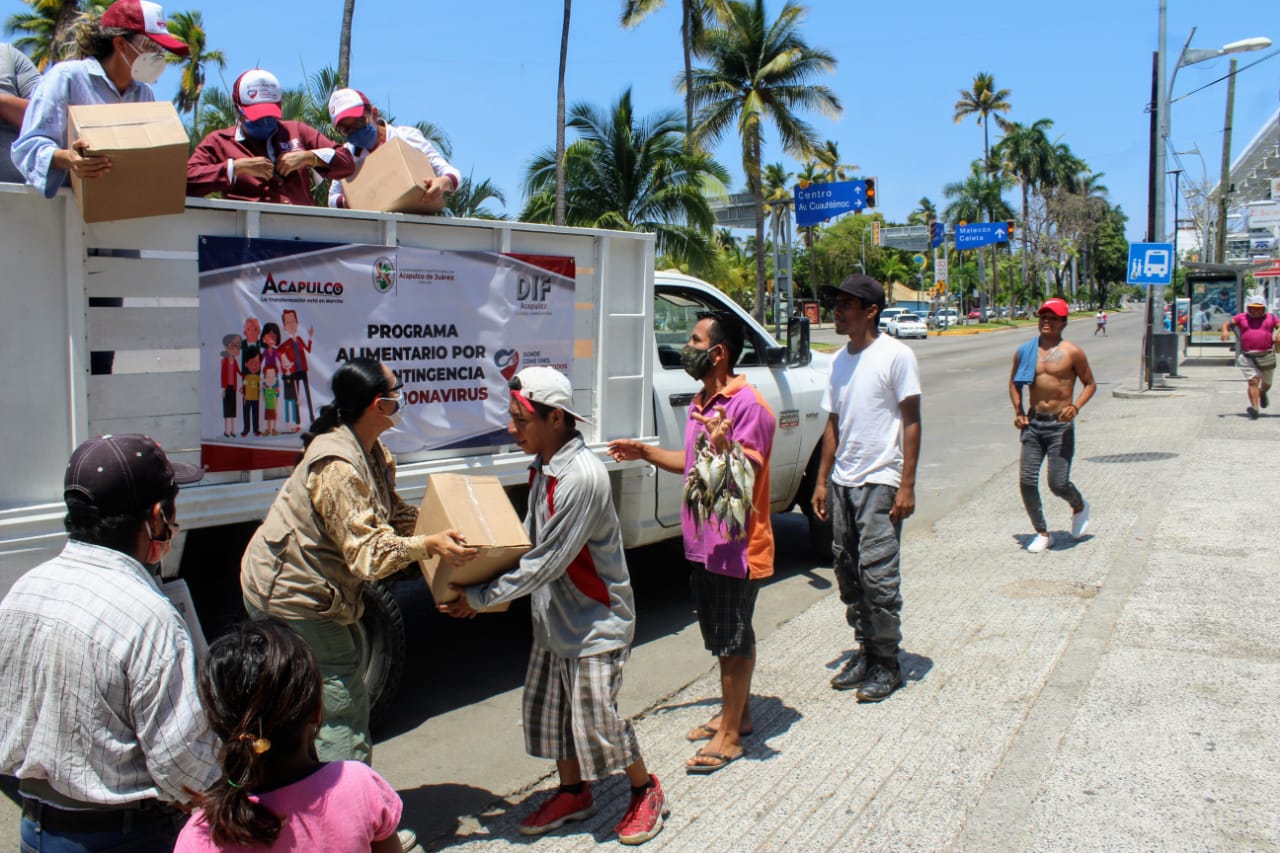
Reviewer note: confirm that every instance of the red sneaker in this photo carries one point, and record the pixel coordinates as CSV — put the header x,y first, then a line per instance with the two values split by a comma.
x,y
643,819
557,810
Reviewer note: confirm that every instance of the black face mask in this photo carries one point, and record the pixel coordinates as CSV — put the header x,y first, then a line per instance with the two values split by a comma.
x,y
696,362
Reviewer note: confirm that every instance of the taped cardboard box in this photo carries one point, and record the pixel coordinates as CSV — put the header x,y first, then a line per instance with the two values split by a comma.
x,y
391,180
478,508
147,145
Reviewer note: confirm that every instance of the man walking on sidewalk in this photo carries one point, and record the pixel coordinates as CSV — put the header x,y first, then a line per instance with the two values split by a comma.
x,y
726,570
869,451
1051,366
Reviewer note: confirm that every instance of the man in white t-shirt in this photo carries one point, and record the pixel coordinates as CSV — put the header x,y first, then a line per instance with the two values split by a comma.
x,y
869,451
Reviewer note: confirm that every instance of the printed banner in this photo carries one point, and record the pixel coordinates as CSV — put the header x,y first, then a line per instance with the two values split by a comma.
x,y
277,318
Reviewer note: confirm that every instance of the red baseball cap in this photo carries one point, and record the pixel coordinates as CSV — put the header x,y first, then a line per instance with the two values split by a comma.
x,y
257,93
346,103
1054,306
145,17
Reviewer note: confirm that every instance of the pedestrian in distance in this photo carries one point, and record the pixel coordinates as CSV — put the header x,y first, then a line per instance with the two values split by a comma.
x,y
102,722
336,524
583,615
729,557
262,692
1102,323
1258,333
870,449
1051,366
263,156
357,121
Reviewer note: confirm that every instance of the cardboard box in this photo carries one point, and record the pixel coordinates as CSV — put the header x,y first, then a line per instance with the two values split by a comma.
x,y
478,507
391,180
148,148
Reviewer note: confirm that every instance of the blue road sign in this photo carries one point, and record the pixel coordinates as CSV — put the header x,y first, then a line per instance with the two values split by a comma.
x,y
1150,263
981,234
817,203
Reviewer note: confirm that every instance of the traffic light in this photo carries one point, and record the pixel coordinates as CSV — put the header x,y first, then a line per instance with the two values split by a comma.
x,y
871,191
1009,223
935,235
875,232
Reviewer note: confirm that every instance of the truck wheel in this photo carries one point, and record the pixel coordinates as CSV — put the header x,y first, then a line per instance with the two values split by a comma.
x,y
382,648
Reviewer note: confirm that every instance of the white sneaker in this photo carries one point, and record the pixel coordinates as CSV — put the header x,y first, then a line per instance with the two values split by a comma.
x,y
1080,521
408,839
1043,542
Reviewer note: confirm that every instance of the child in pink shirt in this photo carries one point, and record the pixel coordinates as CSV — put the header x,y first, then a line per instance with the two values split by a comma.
x,y
274,794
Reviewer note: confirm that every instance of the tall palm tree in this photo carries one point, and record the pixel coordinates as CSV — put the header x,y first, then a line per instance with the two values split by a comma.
x,y
189,27
976,197
633,174
926,211
828,157
344,43
983,100
48,30
560,152
1025,154
759,72
468,200
695,16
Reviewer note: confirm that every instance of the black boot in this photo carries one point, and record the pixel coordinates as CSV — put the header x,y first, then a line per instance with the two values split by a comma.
x,y
884,678
853,672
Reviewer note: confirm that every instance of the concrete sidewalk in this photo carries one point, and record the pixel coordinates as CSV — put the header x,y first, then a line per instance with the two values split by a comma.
x,y
1115,693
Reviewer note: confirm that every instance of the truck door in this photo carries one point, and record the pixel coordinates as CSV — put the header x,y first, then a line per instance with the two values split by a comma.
x,y
675,315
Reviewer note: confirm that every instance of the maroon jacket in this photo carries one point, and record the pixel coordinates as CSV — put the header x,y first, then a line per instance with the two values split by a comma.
x,y
207,166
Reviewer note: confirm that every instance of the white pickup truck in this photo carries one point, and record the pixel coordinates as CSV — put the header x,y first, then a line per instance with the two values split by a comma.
x,y
131,287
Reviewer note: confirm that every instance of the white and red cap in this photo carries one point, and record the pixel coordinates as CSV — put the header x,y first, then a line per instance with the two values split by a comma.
x,y
257,93
346,103
143,16
544,385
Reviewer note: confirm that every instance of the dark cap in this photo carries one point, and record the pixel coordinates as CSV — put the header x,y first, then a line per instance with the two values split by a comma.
x,y
862,286
123,473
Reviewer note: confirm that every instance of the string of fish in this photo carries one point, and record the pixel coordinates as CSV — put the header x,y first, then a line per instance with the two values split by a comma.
x,y
719,487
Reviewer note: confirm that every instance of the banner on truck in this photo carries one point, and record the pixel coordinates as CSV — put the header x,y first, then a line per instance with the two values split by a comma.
x,y
277,318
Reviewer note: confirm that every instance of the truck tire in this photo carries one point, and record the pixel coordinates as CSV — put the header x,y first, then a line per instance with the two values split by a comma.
x,y
382,648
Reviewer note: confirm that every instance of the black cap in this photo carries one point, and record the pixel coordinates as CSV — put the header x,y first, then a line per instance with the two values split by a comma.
x,y
123,473
862,286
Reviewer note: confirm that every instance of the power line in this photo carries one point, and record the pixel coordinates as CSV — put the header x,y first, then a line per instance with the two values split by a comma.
x,y
1273,53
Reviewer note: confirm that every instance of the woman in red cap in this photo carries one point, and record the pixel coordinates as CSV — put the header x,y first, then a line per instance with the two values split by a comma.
x,y
121,56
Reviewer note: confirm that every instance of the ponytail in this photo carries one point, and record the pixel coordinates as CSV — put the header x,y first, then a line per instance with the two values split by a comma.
x,y
356,384
234,818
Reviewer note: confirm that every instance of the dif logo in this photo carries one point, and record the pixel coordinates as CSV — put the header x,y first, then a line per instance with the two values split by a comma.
x,y
531,287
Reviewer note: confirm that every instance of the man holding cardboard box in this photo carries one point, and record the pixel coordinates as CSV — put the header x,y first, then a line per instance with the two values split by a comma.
x,y
583,614
357,120
121,57
264,157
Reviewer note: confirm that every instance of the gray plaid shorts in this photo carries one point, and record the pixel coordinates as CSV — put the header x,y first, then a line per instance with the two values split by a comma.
x,y
726,607
571,711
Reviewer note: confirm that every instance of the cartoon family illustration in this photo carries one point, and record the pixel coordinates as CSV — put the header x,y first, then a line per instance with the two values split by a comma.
x,y
264,370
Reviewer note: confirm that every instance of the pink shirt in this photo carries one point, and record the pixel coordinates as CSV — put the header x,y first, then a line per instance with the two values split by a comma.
x,y
344,805
1255,333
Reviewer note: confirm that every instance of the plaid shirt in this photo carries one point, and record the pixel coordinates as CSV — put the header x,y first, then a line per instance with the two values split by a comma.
x,y
97,683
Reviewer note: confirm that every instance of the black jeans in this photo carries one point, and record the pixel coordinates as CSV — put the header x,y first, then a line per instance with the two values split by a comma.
x,y
1047,437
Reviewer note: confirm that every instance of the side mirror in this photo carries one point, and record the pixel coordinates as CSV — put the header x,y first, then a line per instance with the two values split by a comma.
x,y
798,352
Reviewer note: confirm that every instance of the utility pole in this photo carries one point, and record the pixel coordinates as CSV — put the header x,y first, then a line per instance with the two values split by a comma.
x,y
1224,184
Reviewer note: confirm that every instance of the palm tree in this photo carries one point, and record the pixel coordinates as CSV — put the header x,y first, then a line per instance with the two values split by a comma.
x,y
1026,155
217,110
48,29
630,174
924,213
982,100
189,26
468,199
828,157
759,72
344,43
976,197
560,152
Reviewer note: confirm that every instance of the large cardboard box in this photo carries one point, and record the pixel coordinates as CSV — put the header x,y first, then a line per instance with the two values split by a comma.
x,y
477,507
390,180
148,147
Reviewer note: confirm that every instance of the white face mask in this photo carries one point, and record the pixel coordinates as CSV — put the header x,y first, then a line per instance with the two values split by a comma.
x,y
396,419
147,66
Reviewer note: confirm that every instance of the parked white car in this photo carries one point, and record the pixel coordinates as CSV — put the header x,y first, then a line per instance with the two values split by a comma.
x,y
945,318
908,326
887,314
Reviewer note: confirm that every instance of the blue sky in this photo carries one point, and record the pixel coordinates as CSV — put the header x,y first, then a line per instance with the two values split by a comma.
x,y
485,71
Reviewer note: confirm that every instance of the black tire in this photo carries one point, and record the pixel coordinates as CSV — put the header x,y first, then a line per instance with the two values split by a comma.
x,y
382,648
819,530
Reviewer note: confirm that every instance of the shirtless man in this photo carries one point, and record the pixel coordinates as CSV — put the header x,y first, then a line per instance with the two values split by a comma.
x,y
1047,429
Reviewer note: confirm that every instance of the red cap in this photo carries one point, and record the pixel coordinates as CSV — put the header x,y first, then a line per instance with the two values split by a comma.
x,y
145,17
257,93
346,103
1054,306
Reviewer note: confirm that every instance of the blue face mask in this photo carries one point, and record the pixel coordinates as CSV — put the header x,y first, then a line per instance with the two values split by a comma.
x,y
365,138
263,128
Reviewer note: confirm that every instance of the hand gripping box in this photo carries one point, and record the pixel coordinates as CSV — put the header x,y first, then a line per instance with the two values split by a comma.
x,y
148,148
477,507
391,180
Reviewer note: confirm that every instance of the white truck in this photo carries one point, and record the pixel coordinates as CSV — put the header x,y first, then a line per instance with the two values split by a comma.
x,y
131,286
